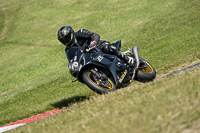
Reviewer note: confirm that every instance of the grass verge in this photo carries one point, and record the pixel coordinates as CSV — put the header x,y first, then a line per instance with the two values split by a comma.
x,y
33,66
166,105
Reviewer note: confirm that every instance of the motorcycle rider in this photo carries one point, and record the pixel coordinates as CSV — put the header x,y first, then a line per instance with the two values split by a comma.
x,y
69,38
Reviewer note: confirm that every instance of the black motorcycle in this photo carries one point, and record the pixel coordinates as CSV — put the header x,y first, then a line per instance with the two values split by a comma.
x,y
105,73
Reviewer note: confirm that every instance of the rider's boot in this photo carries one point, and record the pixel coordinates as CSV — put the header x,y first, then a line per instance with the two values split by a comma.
x,y
111,49
129,60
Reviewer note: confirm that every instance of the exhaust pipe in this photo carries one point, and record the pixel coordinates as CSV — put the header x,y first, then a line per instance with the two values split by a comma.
x,y
137,62
136,56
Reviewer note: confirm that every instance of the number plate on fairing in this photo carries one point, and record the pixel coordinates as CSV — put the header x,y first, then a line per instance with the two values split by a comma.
x,y
102,60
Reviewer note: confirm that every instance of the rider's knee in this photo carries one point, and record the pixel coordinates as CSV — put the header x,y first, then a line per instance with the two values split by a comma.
x,y
109,48
105,48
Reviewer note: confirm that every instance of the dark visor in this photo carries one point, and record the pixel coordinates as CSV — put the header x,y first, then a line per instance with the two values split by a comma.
x,y
66,40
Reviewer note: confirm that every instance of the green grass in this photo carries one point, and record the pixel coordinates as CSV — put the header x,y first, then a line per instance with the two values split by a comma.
x,y
162,106
33,66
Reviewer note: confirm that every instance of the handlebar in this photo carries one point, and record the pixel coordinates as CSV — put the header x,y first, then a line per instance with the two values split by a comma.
x,y
85,48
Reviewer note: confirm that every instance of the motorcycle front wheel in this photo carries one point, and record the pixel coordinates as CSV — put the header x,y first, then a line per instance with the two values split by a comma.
x,y
145,72
98,85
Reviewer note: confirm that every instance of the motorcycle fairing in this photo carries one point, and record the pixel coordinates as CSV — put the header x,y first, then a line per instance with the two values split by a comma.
x,y
116,67
107,62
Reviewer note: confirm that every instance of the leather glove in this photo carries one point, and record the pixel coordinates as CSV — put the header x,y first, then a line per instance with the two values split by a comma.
x,y
92,45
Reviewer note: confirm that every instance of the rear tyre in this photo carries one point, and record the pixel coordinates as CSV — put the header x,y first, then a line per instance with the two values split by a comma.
x,y
97,85
145,74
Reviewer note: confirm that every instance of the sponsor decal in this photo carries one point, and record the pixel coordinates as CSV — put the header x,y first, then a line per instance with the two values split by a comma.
x,y
100,58
123,76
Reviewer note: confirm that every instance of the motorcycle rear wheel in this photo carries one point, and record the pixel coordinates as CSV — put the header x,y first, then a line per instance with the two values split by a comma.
x,y
97,85
145,74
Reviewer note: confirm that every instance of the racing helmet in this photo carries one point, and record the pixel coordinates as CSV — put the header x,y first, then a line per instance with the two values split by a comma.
x,y
66,35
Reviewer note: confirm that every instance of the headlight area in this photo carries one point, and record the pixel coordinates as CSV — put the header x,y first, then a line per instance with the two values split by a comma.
x,y
73,68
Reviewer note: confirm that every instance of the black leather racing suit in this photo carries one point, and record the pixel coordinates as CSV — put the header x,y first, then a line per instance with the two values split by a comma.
x,y
84,35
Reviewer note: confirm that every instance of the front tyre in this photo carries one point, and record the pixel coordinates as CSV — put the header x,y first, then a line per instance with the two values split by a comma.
x,y
98,85
145,72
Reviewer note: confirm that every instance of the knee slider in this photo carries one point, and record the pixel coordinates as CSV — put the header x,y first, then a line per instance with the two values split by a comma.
x,y
113,50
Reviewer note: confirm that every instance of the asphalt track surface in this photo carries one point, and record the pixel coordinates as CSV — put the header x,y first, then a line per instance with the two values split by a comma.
x,y
19,123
